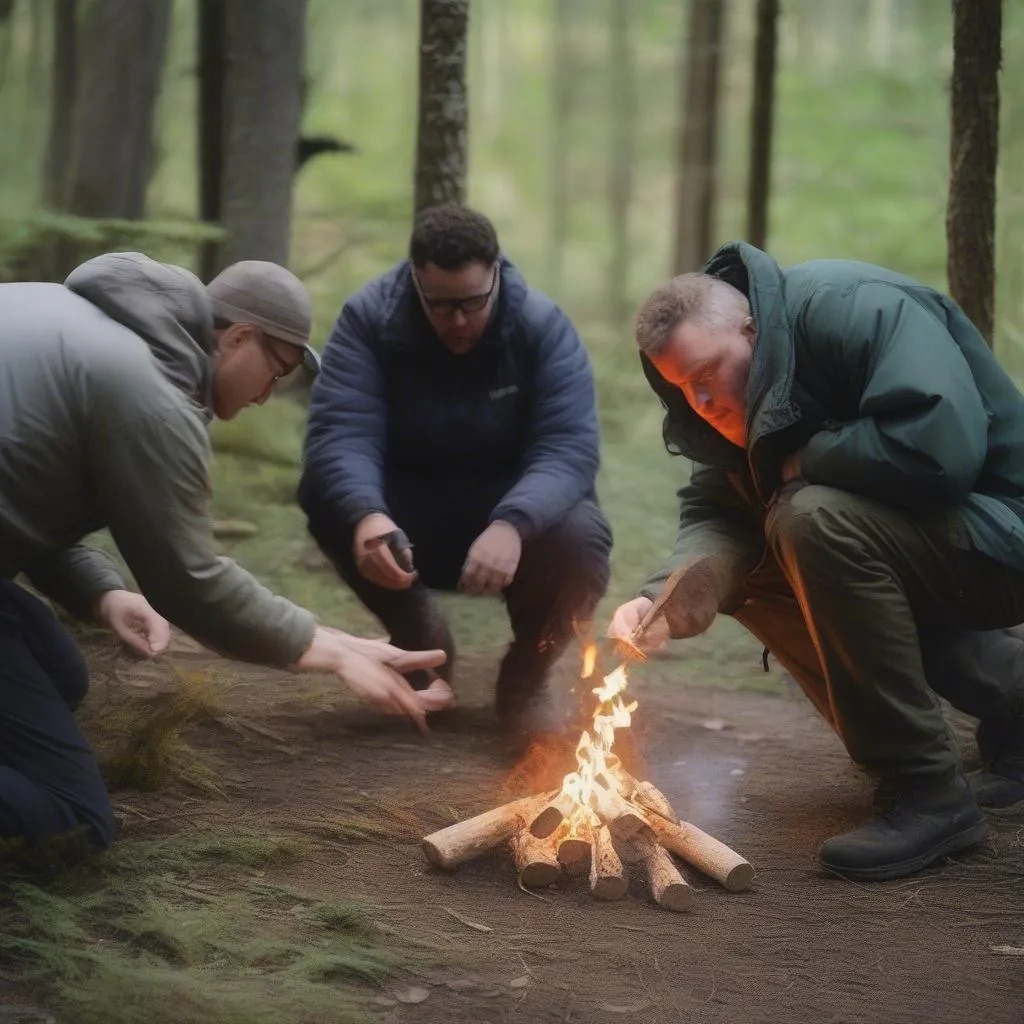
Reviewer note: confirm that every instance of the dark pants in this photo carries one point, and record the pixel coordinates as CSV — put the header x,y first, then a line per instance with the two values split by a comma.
x,y
874,613
562,574
49,780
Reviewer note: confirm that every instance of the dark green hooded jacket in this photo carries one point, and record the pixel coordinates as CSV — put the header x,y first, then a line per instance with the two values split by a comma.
x,y
889,386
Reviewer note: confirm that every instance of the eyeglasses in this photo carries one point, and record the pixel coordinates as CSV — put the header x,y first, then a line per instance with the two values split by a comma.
x,y
449,307
283,368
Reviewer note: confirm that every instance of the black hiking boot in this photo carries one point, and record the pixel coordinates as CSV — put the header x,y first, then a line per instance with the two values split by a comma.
x,y
1000,783
916,822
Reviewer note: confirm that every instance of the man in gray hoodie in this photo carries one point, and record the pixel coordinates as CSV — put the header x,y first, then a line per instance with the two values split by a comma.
x,y
107,384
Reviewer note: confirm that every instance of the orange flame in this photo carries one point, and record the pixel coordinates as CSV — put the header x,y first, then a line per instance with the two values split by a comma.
x,y
595,762
589,660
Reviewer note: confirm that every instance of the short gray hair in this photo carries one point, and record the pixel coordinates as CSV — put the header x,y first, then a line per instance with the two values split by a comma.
x,y
707,300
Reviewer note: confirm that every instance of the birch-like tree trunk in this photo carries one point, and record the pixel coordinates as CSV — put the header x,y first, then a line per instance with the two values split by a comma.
x,y
441,161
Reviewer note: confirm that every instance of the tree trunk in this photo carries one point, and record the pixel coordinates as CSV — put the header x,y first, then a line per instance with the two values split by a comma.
x,y
620,183
974,150
762,109
698,137
262,104
121,58
212,53
62,102
443,115
563,76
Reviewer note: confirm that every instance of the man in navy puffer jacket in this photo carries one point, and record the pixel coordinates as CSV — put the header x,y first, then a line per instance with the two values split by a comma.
x,y
455,412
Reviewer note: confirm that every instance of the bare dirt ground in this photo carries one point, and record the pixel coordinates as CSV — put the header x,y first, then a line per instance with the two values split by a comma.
x,y
759,771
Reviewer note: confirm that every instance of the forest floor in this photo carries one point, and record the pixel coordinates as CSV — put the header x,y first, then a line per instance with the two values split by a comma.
x,y
276,874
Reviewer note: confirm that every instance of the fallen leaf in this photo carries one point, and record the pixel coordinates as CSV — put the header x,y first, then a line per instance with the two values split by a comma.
x,y
475,925
412,994
1008,950
520,982
737,772
625,1008
715,724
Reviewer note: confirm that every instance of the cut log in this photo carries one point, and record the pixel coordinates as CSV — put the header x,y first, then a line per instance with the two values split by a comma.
x,y
648,796
467,839
608,879
670,889
704,852
535,860
625,821
645,794
574,850
551,816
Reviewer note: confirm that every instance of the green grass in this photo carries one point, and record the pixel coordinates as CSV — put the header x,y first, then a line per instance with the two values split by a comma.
x,y
184,930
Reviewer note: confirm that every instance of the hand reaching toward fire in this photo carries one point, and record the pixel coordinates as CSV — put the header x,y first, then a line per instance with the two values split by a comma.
x,y
372,670
627,619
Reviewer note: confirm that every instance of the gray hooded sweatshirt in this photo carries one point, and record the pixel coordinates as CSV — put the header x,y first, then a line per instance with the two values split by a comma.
x,y
104,388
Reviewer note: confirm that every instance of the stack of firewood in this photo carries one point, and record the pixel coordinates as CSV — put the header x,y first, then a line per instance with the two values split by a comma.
x,y
632,823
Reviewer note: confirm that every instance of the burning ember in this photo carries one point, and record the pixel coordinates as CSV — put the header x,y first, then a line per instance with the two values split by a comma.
x,y
600,818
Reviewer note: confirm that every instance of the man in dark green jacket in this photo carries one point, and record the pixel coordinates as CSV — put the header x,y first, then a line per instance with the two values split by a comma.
x,y
858,504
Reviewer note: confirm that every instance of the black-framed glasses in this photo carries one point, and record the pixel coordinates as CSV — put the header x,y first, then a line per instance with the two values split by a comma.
x,y
283,368
449,307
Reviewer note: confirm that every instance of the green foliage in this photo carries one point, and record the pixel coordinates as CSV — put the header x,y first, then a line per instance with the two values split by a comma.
x,y
27,242
181,930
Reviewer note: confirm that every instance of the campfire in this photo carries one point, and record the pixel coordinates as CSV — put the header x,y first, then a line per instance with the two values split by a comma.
x,y
601,820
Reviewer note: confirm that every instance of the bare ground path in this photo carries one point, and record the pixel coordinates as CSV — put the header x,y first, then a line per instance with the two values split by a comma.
x,y
767,777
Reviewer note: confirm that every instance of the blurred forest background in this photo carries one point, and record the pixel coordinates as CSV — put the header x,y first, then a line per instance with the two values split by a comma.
x,y
117,134
613,142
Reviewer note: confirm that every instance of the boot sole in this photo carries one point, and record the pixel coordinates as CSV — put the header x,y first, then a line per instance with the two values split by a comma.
x,y
968,837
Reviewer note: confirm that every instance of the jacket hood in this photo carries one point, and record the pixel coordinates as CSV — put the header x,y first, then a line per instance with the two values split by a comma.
x,y
165,305
769,406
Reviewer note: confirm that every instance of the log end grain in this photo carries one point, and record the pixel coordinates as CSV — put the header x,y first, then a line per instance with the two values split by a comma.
x,y
610,887
539,875
739,877
677,896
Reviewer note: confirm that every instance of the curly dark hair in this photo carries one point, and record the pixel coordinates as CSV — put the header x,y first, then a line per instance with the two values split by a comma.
x,y
450,236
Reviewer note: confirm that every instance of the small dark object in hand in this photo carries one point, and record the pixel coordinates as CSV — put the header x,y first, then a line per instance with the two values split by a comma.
x,y
400,548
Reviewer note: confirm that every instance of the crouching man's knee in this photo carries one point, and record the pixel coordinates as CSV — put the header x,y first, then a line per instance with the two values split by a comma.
x,y
809,519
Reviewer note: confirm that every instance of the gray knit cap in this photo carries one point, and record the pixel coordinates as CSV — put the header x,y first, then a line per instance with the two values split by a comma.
x,y
267,295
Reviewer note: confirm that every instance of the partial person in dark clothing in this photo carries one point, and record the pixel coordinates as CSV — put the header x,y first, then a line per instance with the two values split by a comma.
x,y
455,417
49,779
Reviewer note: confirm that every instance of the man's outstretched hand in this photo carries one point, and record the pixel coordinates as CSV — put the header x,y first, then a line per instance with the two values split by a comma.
x,y
135,621
372,671
492,560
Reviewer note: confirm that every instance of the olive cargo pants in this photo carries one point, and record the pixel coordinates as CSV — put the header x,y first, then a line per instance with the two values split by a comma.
x,y
875,613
